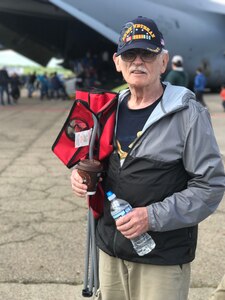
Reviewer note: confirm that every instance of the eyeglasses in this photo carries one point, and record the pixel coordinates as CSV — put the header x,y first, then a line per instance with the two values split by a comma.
x,y
131,55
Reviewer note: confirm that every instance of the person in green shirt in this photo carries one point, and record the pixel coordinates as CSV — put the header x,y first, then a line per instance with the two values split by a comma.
x,y
177,76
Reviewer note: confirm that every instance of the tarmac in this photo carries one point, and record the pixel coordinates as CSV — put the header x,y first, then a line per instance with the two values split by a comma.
x,y
42,223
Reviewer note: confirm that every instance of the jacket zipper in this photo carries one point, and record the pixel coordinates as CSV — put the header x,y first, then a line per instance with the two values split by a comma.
x,y
114,243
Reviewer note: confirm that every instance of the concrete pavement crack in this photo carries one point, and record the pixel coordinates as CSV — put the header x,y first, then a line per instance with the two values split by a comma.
x,y
28,239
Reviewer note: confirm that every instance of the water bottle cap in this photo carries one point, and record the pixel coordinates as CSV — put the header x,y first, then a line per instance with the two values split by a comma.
x,y
110,195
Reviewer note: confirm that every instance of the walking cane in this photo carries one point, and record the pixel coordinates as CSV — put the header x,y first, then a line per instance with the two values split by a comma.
x,y
91,280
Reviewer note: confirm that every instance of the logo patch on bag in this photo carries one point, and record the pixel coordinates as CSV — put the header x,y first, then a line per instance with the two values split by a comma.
x,y
82,138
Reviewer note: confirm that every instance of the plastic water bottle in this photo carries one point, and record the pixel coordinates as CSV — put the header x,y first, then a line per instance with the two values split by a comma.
x,y
142,244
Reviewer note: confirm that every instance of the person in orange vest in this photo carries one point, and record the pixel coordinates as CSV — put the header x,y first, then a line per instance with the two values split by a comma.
x,y
222,95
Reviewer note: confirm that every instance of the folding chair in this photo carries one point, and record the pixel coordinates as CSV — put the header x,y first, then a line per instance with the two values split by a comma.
x,y
95,111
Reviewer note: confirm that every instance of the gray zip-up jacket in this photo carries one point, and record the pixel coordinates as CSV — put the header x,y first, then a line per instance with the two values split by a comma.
x,y
175,169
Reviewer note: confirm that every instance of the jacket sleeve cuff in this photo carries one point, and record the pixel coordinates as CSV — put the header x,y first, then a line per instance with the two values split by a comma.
x,y
151,219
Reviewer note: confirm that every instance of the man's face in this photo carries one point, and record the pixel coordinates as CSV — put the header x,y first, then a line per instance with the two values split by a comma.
x,y
139,69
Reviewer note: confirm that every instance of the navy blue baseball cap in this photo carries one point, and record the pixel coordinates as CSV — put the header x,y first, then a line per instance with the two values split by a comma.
x,y
141,33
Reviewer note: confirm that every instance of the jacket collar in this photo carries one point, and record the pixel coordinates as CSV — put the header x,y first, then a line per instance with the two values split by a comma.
x,y
174,98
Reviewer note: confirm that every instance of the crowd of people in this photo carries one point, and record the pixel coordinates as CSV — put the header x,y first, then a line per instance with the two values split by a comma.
x,y
94,70
178,76
46,86
91,70
49,86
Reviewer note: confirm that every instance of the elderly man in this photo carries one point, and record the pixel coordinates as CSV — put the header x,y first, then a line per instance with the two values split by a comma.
x,y
166,164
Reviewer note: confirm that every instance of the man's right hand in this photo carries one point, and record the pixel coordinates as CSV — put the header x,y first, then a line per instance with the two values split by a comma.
x,y
79,188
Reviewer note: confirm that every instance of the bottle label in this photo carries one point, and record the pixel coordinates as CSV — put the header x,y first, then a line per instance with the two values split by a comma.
x,y
122,213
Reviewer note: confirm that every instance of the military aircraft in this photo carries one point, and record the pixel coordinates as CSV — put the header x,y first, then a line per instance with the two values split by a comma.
x,y
68,29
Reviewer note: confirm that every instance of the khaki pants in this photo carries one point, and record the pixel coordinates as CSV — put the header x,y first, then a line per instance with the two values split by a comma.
x,y
219,293
123,280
